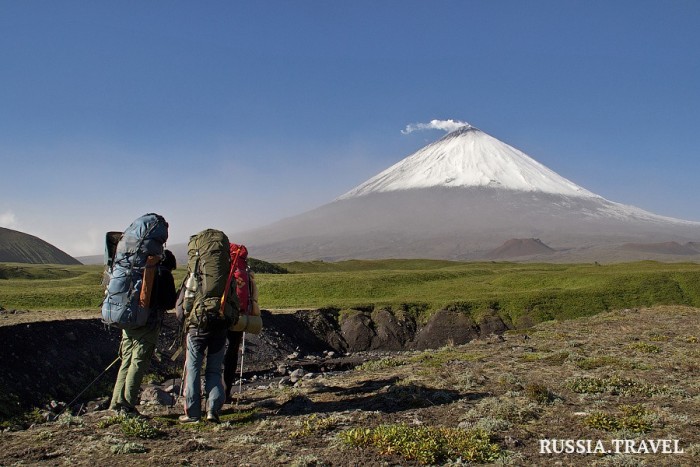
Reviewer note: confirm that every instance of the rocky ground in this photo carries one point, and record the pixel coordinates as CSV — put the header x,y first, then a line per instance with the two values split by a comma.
x,y
372,388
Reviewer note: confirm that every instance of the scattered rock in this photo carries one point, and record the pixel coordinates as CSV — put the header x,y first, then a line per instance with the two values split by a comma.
x,y
155,395
512,442
286,381
296,375
98,404
55,406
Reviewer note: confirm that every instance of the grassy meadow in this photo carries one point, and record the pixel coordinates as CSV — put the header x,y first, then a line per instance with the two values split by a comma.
x,y
522,293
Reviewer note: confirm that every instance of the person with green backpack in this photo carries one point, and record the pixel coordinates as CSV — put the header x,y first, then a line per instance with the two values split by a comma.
x,y
210,307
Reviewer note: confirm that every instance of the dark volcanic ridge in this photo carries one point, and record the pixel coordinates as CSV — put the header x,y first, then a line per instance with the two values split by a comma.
x,y
19,247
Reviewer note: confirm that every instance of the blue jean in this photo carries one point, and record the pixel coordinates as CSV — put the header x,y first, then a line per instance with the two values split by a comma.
x,y
214,344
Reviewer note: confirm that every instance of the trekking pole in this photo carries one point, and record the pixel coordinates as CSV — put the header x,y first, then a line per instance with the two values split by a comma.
x,y
181,332
240,379
181,391
89,385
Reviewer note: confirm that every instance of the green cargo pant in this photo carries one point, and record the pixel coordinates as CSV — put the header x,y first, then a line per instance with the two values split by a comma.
x,y
136,350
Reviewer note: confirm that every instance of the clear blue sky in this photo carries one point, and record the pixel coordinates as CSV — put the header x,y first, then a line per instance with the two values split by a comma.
x,y
231,114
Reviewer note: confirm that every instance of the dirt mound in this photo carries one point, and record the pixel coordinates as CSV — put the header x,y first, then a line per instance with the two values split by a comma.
x,y
52,360
383,330
376,330
516,247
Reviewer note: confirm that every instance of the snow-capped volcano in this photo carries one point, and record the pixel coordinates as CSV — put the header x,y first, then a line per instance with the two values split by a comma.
x,y
459,198
468,157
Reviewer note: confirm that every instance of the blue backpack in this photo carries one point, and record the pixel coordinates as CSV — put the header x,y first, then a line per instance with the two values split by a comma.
x,y
125,267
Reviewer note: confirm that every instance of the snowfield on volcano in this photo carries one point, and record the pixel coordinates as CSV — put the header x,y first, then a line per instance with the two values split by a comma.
x,y
468,157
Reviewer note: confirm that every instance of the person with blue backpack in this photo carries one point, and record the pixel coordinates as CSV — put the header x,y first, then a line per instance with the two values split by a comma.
x,y
140,288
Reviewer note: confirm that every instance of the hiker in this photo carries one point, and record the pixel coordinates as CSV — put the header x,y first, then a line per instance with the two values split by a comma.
x,y
247,299
234,344
210,306
138,344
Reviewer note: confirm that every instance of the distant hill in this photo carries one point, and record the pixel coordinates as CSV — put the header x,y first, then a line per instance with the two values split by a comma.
x,y
19,247
517,247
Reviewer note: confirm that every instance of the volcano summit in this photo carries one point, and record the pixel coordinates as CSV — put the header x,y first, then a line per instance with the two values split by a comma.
x,y
458,198
468,157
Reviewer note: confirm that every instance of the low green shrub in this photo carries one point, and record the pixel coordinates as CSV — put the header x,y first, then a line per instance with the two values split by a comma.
x,y
614,385
644,347
135,427
425,444
538,393
314,424
633,418
128,448
601,361
512,409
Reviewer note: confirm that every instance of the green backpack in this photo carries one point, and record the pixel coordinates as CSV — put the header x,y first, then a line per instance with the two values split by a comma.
x,y
207,304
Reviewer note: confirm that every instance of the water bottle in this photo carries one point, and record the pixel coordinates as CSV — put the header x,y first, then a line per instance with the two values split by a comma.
x,y
190,286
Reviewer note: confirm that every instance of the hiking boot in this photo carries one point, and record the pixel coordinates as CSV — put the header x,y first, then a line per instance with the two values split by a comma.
x,y
187,419
131,411
213,417
125,410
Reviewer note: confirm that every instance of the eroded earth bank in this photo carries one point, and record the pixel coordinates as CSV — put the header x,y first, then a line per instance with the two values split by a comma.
x,y
48,360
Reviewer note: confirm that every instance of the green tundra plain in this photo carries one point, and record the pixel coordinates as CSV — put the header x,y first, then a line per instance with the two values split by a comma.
x,y
522,294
